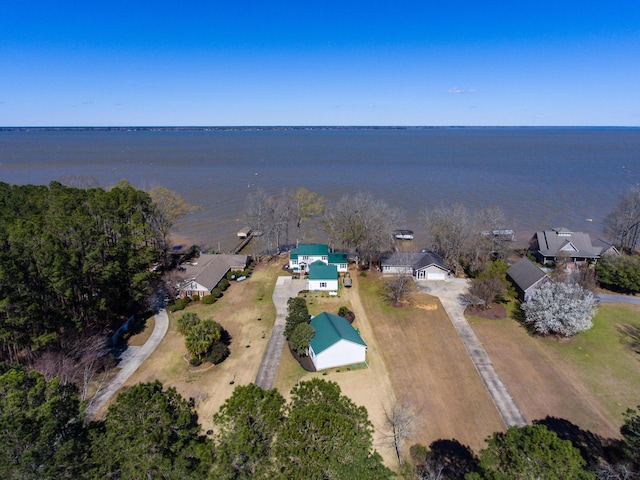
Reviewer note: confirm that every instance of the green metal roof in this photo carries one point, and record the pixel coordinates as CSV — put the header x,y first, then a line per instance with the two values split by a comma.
x,y
330,329
312,249
321,271
336,258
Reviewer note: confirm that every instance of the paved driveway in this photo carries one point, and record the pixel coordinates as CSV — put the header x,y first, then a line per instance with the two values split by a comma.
x,y
615,298
286,288
449,292
130,360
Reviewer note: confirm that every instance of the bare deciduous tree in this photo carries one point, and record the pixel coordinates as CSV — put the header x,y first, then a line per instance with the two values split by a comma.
x,y
451,232
623,224
398,425
169,208
457,234
363,223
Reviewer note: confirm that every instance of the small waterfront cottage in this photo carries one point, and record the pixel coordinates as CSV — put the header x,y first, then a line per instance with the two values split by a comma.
x,y
307,253
202,275
425,265
336,343
323,277
549,246
526,278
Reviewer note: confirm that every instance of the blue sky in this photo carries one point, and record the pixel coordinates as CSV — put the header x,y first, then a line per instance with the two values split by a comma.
x,y
180,63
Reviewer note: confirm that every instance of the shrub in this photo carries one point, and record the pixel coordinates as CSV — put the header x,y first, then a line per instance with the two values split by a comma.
x,y
301,337
208,299
218,353
195,362
223,284
363,273
216,293
180,304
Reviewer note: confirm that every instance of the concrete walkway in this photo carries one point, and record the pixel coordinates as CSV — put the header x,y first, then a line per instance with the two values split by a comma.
x,y
448,292
286,288
130,360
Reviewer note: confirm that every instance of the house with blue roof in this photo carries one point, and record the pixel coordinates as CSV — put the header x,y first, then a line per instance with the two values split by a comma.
x,y
306,254
335,343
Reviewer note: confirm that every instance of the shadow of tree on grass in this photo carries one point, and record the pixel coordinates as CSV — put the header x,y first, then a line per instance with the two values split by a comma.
x,y
593,448
630,336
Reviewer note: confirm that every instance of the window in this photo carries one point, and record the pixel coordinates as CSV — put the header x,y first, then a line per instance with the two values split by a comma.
x,y
323,284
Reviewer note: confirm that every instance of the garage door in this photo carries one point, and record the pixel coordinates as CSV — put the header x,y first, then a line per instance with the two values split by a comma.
x,y
436,276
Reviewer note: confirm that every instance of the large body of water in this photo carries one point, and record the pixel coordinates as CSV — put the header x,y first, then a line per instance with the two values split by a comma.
x,y
540,177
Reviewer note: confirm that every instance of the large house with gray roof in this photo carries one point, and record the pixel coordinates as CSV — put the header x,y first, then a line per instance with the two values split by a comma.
x,y
335,343
424,265
202,275
562,244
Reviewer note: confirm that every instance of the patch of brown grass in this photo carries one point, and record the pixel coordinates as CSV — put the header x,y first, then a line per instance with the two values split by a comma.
x,y
238,312
430,369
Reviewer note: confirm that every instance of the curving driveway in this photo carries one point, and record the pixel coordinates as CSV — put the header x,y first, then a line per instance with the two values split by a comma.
x,y
131,359
449,292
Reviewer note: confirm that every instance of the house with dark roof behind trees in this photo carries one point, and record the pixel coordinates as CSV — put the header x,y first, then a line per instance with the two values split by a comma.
x,y
526,278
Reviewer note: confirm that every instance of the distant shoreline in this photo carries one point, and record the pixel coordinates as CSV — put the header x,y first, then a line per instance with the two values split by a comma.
x,y
302,128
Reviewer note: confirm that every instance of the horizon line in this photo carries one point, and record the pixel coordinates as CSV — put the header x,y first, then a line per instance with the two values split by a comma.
x,y
292,127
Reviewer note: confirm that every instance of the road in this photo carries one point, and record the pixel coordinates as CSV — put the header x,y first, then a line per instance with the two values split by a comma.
x,y
615,298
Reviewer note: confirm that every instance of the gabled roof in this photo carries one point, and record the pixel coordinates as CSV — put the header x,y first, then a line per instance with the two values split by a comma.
x,y
208,270
336,258
604,246
310,249
330,329
555,242
431,258
525,274
321,271
416,260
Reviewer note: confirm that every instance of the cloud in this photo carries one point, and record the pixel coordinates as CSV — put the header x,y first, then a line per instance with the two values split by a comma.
x,y
462,90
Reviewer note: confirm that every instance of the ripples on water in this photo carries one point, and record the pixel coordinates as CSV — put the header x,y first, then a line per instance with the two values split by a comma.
x,y
541,177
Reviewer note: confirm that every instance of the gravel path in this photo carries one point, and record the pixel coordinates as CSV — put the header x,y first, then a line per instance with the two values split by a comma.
x,y
130,360
448,292
286,288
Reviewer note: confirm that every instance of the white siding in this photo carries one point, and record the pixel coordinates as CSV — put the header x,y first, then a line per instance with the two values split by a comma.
x,y
339,354
432,272
329,284
397,269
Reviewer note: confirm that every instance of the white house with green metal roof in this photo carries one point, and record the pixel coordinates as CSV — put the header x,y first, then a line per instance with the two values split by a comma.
x,y
336,343
305,254
323,276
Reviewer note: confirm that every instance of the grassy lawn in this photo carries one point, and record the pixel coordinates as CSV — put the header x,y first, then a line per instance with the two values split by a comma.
x,y
589,379
238,312
429,368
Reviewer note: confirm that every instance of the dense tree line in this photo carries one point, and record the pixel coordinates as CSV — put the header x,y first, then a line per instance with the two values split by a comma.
x,y
153,432
73,262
